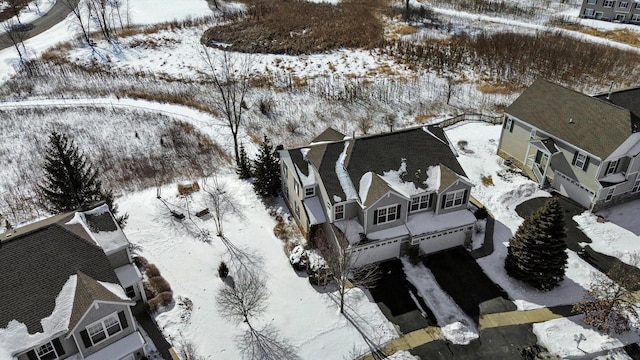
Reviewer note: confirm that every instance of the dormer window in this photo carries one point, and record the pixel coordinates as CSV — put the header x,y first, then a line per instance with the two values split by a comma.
x,y
420,202
581,160
104,328
309,191
47,352
453,199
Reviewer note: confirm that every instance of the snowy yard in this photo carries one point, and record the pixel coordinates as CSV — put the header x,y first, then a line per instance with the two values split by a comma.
x,y
307,318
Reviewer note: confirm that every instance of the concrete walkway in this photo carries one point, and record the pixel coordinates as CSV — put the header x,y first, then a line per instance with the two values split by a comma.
x,y
487,246
420,337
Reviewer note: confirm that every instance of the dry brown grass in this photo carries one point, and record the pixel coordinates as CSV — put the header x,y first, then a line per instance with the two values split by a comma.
x,y
422,118
497,86
301,27
624,36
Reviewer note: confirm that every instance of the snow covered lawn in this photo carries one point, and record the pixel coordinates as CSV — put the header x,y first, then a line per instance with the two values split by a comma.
x,y
308,319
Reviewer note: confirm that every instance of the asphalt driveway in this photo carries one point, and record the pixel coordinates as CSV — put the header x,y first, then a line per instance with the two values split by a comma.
x,y
457,273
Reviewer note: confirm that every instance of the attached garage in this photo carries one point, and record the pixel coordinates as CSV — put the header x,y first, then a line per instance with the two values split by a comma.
x,y
572,189
441,241
375,251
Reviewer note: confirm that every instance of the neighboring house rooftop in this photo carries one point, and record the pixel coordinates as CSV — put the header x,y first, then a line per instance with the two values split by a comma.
x,y
407,155
628,99
574,117
37,260
330,134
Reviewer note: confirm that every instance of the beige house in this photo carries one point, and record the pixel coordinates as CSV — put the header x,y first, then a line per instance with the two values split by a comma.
x,y
68,286
585,147
374,196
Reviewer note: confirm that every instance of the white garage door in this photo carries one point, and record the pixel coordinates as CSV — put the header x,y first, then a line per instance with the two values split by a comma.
x,y
375,251
442,241
571,189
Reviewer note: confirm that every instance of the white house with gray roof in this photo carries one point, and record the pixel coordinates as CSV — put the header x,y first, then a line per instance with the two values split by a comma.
x,y
584,147
375,196
68,286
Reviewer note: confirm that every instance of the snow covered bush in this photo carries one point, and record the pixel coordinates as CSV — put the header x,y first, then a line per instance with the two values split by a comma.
x,y
150,270
159,285
223,270
160,301
298,258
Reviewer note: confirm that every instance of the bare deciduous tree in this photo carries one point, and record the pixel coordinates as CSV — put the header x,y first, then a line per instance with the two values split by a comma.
x,y
610,306
342,264
82,15
244,299
220,202
15,35
230,76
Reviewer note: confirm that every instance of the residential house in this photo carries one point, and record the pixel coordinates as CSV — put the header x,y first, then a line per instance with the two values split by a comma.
x,y
376,196
68,286
626,11
584,147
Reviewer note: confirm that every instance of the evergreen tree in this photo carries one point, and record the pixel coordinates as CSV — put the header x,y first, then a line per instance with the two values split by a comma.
x,y
70,182
243,168
537,253
266,171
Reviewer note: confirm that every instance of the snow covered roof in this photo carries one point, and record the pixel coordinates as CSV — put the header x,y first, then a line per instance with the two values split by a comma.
x,y
314,210
71,303
37,260
428,222
404,159
102,228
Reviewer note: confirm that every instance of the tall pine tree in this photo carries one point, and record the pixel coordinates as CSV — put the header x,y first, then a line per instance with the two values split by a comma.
x,y
243,169
266,171
537,253
70,182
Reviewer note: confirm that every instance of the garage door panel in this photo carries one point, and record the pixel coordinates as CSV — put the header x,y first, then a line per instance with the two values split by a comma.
x,y
568,188
371,253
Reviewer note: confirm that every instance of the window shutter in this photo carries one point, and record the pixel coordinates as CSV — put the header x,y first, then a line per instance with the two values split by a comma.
x,y
504,123
465,197
398,213
617,166
85,338
575,156
444,201
123,319
375,217
58,346
586,164
32,355
511,126
431,196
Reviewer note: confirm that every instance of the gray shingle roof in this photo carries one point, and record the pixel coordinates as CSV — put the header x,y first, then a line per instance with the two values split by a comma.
x,y
330,134
87,291
628,99
381,153
35,264
597,127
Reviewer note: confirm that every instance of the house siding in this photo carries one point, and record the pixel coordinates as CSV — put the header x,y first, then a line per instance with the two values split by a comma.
x,y
459,185
294,197
609,13
389,199
562,162
93,315
513,144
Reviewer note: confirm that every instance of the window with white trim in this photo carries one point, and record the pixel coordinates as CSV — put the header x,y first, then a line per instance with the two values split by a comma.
x,y
624,5
419,202
580,160
638,5
297,209
533,134
508,124
387,214
104,328
592,2
620,17
608,3
609,194
296,187
636,17
46,352
455,198
285,172
611,168
636,185
309,191
130,291
588,12
338,212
